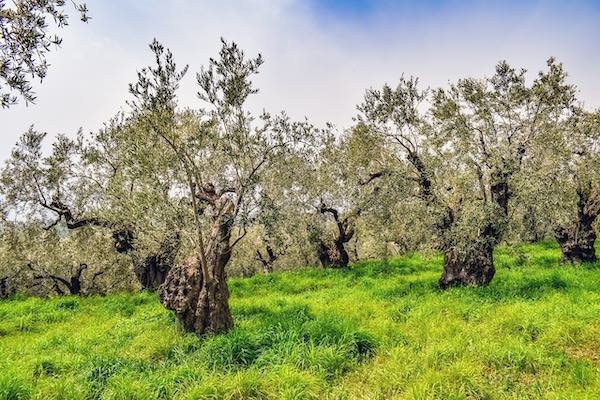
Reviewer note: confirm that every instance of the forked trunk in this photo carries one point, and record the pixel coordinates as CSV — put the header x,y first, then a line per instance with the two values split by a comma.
x,y
473,268
335,256
73,283
268,259
202,305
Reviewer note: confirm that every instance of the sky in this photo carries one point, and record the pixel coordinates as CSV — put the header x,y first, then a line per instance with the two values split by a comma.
x,y
320,56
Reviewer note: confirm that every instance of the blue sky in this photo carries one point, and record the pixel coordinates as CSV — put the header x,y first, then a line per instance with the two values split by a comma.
x,y
320,55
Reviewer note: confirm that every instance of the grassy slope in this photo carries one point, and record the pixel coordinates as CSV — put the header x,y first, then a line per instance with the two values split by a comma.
x,y
377,331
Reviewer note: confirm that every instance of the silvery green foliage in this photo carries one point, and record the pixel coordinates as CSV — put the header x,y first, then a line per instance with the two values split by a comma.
x,y
220,151
39,186
469,144
25,42
453,168
570,168
36,261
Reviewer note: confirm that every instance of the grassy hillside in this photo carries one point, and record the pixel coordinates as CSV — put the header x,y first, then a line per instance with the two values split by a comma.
x,y
378,331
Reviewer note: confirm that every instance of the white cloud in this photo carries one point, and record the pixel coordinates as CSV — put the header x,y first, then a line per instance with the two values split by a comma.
x,y
316,65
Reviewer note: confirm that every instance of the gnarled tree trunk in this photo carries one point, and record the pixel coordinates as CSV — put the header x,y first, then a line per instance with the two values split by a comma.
x,y
335,255
576,244
73,283
474,268
577,241
201,303
6,287
152,271
267,262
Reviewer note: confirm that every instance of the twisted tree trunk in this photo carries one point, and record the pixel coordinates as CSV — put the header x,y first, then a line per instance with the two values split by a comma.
x,y
576,244
474,264
335,255
152,271
474,268
577,241
201,303
73,283
267,262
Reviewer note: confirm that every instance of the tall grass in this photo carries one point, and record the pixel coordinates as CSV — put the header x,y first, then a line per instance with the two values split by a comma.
x,y
378,331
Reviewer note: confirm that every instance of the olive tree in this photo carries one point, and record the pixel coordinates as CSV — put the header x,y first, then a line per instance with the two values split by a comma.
x,y
54,188
340,185
60,262
87,183
222,153
467,151
576,177
137,196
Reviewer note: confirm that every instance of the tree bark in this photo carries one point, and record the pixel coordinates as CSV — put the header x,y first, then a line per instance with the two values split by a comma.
x,y
576,244
201,305
267,262
335,255
473,265
577,241
152,271
6,288
473,268
73,283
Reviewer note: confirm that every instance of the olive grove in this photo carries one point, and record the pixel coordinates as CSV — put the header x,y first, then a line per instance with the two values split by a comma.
x,y
174,199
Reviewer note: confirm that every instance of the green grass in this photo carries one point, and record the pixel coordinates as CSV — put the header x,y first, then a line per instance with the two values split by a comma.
x,y
378,331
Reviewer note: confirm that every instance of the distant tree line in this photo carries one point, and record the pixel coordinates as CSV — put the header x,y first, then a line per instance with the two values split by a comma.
x,y
173,199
